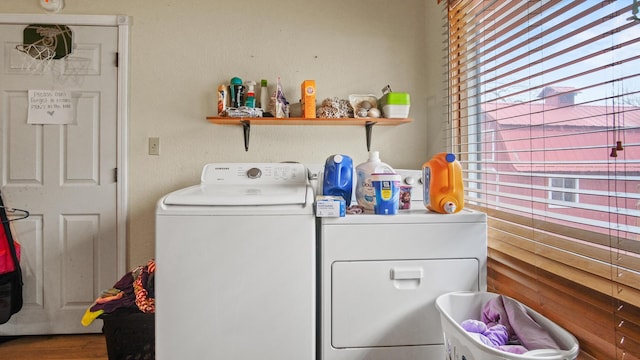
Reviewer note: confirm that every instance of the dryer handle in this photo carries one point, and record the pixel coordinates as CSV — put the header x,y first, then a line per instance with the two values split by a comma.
x,y
407,273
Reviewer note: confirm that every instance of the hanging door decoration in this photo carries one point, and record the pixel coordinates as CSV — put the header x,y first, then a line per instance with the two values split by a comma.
x,y
47,42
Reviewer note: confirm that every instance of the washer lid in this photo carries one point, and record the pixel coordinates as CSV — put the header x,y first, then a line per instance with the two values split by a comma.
x,y
245,184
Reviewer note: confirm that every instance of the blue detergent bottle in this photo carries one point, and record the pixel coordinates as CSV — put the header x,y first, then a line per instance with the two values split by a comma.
x,y
338,177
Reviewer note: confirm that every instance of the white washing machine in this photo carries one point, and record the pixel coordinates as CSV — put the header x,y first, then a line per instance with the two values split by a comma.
x,y
379,277
235,261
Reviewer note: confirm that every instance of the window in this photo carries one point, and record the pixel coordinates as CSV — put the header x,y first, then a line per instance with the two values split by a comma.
x,y
544,101
568,192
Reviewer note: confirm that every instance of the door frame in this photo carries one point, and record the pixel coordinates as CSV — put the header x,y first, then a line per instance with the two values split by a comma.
x,y
122,22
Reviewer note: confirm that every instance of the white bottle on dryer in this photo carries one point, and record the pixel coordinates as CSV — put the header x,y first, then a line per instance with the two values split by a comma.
x,y
365,194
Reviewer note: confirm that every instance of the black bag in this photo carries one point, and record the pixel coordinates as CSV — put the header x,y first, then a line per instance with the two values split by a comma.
x,y
11,282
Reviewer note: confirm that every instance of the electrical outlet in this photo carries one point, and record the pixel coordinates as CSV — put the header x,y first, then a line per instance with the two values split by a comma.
x,y
154,146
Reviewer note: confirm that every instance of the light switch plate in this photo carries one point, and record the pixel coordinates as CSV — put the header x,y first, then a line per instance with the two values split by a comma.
x,y
52,5
154,146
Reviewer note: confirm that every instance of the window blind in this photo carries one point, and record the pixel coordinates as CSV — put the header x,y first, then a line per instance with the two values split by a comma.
x,y
545,118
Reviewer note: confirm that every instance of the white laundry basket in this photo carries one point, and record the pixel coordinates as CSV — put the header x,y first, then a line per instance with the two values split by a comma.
x,y
456,307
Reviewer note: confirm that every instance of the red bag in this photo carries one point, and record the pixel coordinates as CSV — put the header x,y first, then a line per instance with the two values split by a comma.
x,y
6,260
11,284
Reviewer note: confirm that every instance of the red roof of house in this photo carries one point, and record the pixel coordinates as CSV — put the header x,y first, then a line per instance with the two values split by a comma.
x,y
566,139
576,115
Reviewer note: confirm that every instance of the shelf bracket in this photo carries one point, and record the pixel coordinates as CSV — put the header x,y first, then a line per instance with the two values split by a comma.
x,y
368,126
246,128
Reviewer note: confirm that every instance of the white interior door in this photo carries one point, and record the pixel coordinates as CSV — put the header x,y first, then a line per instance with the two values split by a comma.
x,y
64,174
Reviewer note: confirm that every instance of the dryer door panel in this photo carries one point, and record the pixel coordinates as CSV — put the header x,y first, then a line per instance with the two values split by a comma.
x,y
392,303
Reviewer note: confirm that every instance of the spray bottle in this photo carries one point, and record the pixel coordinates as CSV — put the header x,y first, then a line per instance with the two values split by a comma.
x,y
250,100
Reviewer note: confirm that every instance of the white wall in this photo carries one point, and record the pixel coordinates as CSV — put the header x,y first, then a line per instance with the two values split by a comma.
x,y
181,50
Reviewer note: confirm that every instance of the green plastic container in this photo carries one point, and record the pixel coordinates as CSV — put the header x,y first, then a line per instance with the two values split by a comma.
x,y
395,105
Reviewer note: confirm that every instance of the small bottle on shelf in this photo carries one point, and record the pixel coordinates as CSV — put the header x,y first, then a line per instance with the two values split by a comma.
x,y
222,98
264,95
250,100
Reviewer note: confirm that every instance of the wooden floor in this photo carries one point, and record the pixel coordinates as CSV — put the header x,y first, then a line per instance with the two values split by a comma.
x,y
54,347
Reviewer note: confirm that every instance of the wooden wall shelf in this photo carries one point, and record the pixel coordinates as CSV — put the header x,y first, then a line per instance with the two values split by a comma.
x,y
247,122
306,121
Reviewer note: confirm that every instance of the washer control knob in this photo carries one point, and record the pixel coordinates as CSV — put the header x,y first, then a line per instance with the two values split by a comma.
x,y
409,180
254,173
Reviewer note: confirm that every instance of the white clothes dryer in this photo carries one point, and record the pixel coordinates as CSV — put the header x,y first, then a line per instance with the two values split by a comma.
x,y
379,277
235,258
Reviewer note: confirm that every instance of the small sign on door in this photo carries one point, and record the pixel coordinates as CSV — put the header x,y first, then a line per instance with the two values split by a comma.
x,y
50,107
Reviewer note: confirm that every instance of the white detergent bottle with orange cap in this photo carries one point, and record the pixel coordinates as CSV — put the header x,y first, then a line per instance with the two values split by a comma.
x,y
443,187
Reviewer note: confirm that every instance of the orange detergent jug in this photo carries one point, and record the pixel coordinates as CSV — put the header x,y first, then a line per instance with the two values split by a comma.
x,y
443,187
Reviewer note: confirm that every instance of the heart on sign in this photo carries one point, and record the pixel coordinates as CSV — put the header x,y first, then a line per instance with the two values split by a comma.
x,y
50,113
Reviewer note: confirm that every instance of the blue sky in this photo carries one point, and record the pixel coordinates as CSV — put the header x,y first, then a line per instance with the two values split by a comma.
x,y
605,20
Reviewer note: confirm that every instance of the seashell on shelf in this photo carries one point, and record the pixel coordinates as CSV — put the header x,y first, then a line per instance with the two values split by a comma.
x,y
362,104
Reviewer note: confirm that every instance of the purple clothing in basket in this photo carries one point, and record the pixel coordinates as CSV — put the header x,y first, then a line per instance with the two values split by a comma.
x,y
506,326
495,336
521,327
